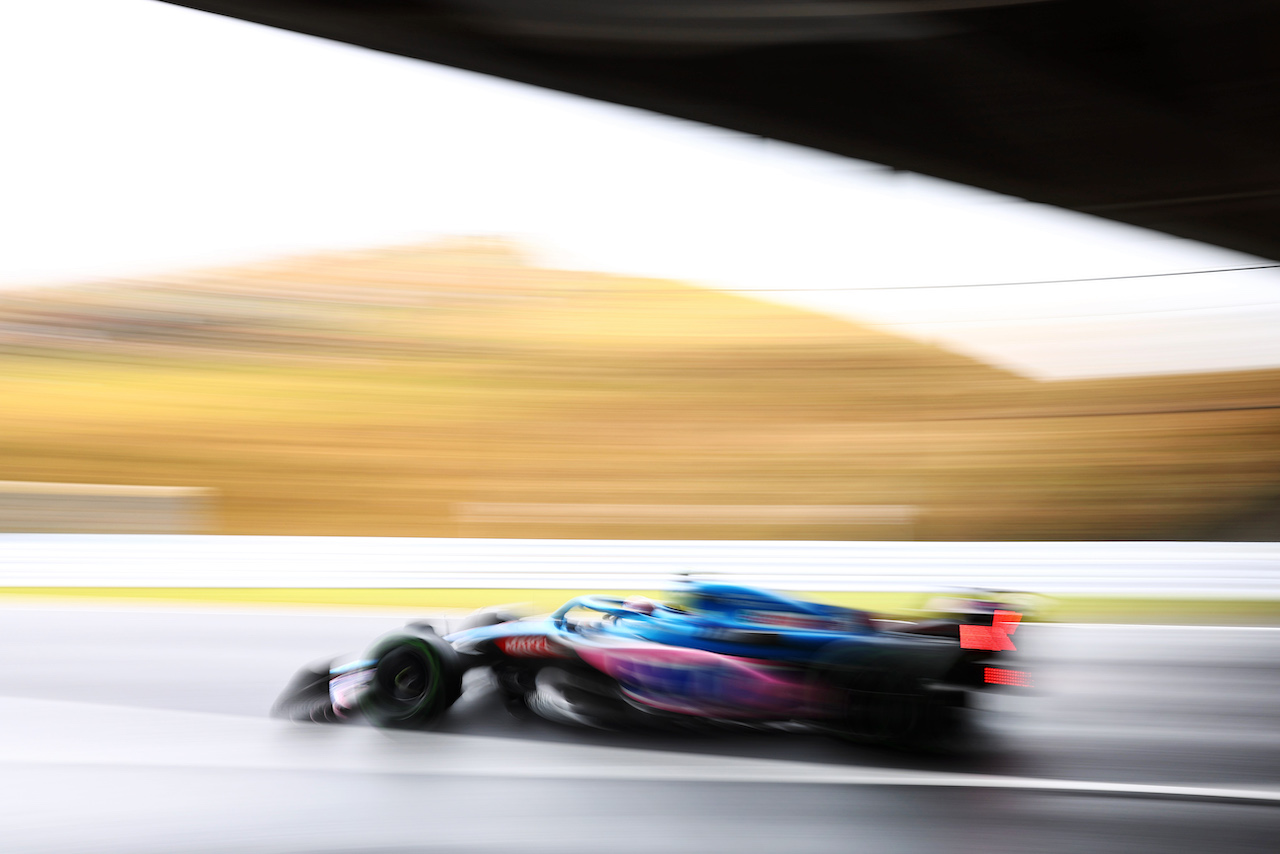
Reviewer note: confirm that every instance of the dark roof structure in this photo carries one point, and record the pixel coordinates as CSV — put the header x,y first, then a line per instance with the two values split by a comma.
x,y
1159,113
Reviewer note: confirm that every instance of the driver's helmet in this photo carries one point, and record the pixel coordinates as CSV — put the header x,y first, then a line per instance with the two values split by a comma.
x,y
640,604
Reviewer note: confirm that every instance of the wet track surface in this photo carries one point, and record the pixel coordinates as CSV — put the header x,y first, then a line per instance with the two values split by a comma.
x,y
146,730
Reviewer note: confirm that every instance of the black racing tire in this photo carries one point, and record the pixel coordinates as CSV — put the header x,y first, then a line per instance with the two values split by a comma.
x,y
416,679
881,688
882,706
306,697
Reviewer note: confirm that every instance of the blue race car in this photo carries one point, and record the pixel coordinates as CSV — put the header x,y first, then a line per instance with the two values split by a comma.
x,y
715,653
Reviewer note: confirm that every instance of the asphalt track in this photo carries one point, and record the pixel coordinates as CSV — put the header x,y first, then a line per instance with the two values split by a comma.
x,y
145,730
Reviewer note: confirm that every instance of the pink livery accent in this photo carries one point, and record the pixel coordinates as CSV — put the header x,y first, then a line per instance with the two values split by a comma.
x,y
708,684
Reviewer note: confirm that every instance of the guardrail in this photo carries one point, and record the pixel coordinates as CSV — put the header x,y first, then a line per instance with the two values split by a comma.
x,y
1228,570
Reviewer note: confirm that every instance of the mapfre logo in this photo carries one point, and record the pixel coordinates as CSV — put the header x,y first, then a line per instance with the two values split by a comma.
x,y
529,646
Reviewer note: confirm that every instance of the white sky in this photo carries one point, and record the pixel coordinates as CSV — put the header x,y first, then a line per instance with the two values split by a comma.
x,y
144,137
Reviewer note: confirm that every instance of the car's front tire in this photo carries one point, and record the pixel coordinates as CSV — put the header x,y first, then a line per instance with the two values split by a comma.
x,y
416,679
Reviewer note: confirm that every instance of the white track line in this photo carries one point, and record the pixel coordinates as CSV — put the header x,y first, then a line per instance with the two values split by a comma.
x,y
1167,626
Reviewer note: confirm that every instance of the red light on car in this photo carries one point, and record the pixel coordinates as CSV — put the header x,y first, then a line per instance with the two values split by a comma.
x,y
1005,676
994,636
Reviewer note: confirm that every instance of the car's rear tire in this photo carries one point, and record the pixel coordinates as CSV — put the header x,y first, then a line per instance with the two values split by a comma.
x,y
880,688
416,679
886,707
874,704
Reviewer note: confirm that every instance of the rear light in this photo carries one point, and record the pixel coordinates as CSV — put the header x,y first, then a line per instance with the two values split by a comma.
x,y
1005,676
993,637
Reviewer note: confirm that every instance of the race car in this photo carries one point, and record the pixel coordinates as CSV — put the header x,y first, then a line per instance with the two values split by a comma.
x,y
714,654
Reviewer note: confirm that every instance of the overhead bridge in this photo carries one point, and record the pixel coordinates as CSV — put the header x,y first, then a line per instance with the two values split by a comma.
x,y
1160,114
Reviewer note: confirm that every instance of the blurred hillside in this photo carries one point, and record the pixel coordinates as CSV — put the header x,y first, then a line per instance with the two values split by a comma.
x,y
376,393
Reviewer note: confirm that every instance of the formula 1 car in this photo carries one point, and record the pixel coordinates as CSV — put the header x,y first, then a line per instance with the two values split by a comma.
x,y
716,653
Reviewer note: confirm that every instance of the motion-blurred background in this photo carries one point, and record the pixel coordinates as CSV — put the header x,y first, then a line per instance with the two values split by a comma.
x,y
461,389
319,290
